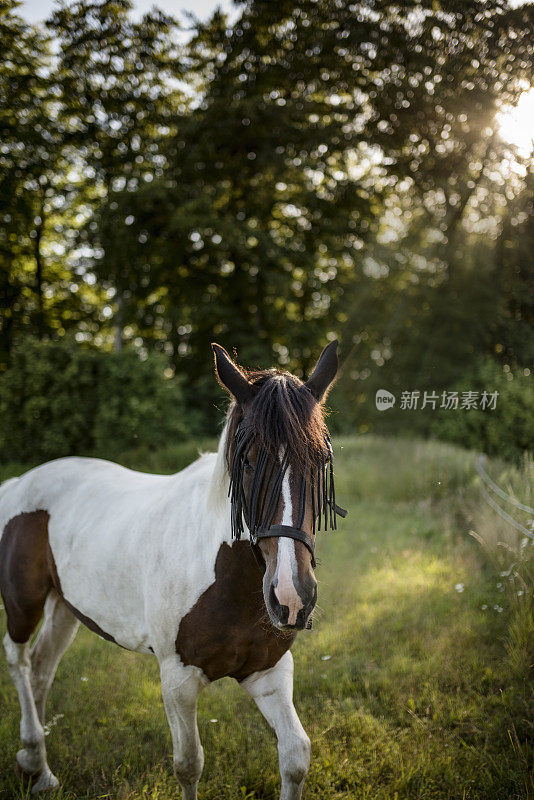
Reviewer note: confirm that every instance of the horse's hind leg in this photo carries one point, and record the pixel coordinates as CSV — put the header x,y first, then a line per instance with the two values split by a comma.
x,y
56,634
26,579
32,672
32,758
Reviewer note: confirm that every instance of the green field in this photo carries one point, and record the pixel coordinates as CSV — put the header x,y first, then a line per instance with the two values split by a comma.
x,y
407,686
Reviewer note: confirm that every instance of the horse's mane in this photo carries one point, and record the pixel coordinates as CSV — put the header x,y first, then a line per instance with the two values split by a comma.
x,y
283,413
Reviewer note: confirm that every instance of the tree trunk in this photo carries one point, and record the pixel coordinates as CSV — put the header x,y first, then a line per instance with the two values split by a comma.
x,y
119,324
39,275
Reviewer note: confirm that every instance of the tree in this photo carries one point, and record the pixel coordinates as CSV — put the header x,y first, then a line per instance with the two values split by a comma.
x,y
27,156
257,230
314,169
118,97
38,198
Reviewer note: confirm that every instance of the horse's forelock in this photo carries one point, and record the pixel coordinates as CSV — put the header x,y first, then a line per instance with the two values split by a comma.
x,y
283,414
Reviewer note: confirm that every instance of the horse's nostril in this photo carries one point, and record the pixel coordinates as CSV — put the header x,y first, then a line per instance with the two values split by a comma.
x,y
301,618
281,612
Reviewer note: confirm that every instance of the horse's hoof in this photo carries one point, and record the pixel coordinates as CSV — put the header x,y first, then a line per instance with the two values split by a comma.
x,y
43,781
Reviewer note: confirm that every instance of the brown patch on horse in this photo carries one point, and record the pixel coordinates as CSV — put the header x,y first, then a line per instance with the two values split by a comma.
x,y
28,573
227,632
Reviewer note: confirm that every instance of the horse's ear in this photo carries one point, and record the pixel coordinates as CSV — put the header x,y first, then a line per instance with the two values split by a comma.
x,y
231,376
324,372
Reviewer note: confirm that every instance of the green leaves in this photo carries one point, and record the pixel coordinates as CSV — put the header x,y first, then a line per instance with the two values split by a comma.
x,y
311,170
59,399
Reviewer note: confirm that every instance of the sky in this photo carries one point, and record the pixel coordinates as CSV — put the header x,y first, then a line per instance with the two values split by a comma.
x,y
37,10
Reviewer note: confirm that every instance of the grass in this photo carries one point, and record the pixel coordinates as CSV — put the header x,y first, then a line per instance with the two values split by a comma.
x,y
511,549
412,684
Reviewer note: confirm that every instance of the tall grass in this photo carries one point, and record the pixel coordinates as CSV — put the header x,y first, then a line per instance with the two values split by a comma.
x,y
510,549
511,553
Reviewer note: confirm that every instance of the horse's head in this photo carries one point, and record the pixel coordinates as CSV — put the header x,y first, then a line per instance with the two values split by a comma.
x,y
279,459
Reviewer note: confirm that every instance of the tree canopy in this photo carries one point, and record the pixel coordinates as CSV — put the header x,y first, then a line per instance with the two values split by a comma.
x,y
315,169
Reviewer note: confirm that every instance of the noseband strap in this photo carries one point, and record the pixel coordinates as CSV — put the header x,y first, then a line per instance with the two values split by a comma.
x,y
287,532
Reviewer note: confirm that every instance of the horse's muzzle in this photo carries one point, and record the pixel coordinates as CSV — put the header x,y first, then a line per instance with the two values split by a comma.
x,y
286,618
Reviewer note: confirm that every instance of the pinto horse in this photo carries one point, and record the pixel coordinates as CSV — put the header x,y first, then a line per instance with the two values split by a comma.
x,y
156,564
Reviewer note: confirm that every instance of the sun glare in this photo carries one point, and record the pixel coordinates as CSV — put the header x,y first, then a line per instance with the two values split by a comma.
x,y
516,124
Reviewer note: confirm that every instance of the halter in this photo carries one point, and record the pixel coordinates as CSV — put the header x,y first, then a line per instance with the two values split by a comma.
x,y
259,515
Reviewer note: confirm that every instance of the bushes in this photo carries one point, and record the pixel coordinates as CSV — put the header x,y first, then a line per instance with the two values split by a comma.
x,y
506,431
59,399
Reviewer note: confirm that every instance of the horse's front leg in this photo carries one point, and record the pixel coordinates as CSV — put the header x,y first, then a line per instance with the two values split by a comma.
x,y
180,687
273,692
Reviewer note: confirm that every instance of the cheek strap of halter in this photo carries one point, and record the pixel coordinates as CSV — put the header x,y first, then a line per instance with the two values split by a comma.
x,y
285,531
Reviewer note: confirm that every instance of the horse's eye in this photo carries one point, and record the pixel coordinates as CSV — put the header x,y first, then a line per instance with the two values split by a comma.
x,y
247,464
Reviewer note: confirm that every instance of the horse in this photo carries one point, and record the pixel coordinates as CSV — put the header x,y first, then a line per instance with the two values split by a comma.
x,y
210,569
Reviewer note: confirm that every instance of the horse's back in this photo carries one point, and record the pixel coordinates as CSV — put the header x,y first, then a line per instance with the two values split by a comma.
x,y
64,482
99,530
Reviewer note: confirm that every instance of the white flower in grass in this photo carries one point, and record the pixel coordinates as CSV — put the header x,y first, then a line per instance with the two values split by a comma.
x,y
50,724
326,658
506,572
84,679
484,607
498,609
214,720
459,587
